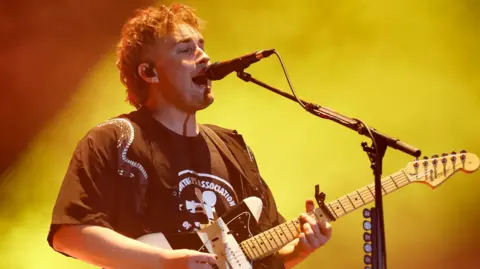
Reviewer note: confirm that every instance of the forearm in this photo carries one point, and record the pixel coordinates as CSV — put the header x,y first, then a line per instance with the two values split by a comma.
x,y
289,256
105,248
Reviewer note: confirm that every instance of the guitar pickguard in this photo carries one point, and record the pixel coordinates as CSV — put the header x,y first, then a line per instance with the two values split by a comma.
x,y
222,237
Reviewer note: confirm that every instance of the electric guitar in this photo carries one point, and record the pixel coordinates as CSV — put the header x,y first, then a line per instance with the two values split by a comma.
x,y
232,239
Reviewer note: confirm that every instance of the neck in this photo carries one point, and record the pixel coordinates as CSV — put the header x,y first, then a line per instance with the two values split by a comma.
x,y
176,120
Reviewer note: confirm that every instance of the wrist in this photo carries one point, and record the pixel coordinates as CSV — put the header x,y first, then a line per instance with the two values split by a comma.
x,y
161,259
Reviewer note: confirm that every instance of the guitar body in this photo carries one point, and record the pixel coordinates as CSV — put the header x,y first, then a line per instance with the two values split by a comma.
x,y
222,237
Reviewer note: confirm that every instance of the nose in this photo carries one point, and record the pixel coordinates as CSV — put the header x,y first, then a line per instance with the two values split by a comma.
x,y
203,57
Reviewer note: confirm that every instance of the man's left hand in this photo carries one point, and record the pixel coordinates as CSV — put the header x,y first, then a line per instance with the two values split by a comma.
x,y
315,233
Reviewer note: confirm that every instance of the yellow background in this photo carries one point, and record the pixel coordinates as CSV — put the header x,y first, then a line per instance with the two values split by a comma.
x,y
408,68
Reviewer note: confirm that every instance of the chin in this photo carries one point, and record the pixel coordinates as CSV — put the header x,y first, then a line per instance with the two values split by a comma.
x,y
207,101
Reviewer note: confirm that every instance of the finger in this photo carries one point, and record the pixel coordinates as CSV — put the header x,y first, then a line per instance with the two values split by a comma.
x,y
313,224
201,266
203,257
312,238
322,240
326,229
305,244
309,205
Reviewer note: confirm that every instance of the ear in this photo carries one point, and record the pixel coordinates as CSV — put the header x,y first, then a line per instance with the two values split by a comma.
x,y
148,72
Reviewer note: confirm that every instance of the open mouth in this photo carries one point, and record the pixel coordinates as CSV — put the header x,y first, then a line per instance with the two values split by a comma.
x,y
200,80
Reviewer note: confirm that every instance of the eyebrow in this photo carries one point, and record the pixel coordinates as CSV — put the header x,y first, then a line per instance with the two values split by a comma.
x,y
188,40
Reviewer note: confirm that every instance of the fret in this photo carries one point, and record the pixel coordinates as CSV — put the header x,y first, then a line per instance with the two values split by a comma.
x,y
295,224
251,251
281,227
281,241
344,206
246,249
311,214
252,247
255,238
332,210
288,223
405,175
381,185
337,207
272,238
354,207
340,202
359,194
391,178
404,179
347,204
371,191
282,232
265,239
358,199
393,186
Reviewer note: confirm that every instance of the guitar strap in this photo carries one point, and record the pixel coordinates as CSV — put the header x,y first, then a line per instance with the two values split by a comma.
x,y
222,147
271,262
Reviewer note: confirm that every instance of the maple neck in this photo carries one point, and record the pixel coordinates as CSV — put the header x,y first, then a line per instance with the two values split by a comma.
x,y
359,198
272,240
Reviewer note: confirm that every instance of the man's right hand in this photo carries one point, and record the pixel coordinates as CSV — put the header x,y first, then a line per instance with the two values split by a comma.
x,y
187,259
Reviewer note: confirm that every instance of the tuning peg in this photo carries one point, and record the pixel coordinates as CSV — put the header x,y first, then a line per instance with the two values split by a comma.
x,y
444,160
463,151
435,156
367,213
454,153
367,259
367,248
425,162
367,237
367,225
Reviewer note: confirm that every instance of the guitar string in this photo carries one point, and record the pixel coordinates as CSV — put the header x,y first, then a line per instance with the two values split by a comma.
x,y
239,244
389,180
398,178
389,184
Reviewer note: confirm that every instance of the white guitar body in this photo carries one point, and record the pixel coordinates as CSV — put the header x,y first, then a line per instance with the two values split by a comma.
x,y
218,238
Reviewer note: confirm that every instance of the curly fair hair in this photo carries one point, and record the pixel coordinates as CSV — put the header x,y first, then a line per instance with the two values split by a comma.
x,y
139,35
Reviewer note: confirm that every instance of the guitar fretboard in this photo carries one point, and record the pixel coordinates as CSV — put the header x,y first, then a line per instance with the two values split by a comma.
x,y
359,198
270,241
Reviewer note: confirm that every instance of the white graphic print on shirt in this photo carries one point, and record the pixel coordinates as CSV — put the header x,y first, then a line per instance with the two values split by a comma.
x,y
203,197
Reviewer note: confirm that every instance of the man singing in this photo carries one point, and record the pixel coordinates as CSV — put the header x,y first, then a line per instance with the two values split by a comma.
x,y
156,170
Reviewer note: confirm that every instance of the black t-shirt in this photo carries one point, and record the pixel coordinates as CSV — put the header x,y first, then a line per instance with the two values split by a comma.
x,y
203,189
133,175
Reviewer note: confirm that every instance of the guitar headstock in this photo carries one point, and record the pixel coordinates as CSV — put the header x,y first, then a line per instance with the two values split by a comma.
x,y
436,170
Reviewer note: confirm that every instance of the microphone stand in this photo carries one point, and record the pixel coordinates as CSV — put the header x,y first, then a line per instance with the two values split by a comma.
x,y
375,153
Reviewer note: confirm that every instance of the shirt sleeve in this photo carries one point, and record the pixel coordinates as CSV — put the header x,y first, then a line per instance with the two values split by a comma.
x,y
87,195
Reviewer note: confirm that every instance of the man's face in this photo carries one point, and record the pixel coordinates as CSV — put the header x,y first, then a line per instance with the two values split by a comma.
x,y
181,58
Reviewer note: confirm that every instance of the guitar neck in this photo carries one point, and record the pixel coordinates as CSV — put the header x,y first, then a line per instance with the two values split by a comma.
x,y
270,241
359,198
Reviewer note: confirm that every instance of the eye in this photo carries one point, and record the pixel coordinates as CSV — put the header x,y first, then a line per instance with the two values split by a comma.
x,y
187,50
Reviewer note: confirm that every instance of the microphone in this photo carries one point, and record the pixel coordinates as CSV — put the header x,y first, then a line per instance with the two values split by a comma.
x,y
219,70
